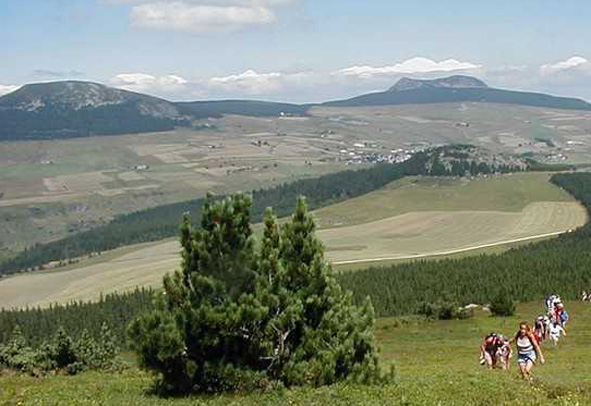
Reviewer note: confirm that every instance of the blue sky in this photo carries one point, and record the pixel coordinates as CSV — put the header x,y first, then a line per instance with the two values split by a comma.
x,y
294,50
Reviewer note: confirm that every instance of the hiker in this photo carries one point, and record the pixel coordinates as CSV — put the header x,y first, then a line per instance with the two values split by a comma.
x,y
539,329
558,310
495,351
551,300
504,353
546,321
556,331
564,318
528,350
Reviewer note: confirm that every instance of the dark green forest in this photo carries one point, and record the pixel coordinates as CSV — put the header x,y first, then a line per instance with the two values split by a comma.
x,y
53,122
162,222
39,325
254,108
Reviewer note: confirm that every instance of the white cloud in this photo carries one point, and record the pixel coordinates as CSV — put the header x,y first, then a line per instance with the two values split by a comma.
x,y
245,3
143,82
200,18
576,63
5,89
248,82
410,66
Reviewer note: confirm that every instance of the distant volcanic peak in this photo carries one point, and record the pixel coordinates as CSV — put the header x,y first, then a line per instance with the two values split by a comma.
x,y
454,82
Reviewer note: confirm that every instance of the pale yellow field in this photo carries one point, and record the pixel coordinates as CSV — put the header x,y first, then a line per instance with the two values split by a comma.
x,y
407,219
429,233
142,265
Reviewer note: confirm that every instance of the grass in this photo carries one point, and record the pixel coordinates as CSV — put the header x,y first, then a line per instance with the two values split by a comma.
x,y
436,364
418,216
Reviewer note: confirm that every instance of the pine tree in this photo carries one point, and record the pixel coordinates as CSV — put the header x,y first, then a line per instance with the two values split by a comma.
x,y
334,338
503,304
64,353
107,348
234,317
87,350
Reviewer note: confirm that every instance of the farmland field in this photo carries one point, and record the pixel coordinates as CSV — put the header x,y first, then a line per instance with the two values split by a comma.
x,y
408,218
436,363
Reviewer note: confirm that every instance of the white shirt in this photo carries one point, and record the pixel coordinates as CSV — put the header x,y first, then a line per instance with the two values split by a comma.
x,y
556,330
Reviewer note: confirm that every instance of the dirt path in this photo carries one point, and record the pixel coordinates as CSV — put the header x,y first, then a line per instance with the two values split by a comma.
x,y
450,252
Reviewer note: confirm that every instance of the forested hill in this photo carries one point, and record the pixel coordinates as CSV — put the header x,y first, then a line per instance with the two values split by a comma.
x,y
77,109
162,222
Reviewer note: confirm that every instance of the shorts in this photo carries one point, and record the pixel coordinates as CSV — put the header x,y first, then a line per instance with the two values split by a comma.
x,y
525,357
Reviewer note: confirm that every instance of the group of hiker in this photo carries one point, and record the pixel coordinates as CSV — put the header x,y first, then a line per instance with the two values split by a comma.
x,y
496,351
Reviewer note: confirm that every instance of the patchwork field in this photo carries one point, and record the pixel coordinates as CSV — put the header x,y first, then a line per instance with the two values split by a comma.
x,y
415,217
49,189
436,364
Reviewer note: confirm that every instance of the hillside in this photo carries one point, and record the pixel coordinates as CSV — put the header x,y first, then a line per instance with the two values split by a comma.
x,y
436,364
408,218
75,109
162,221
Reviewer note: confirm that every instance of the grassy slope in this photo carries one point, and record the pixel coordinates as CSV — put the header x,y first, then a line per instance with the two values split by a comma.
x,y
437,363
145,264
509,193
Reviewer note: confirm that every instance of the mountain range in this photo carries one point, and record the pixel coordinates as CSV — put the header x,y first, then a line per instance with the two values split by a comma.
x,y
76,109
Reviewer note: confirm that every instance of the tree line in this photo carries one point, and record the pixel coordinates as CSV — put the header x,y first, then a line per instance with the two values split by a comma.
x,y
39,324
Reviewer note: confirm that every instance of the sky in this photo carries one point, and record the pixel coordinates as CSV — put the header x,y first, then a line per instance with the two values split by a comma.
x,y
295,50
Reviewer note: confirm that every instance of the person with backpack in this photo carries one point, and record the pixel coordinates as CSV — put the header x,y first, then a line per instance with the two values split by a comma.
x,y
528,350
504,353
495,351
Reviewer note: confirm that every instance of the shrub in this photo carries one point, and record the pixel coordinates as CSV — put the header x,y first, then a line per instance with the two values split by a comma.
x,y
502,305
443,310
15,354
61,353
